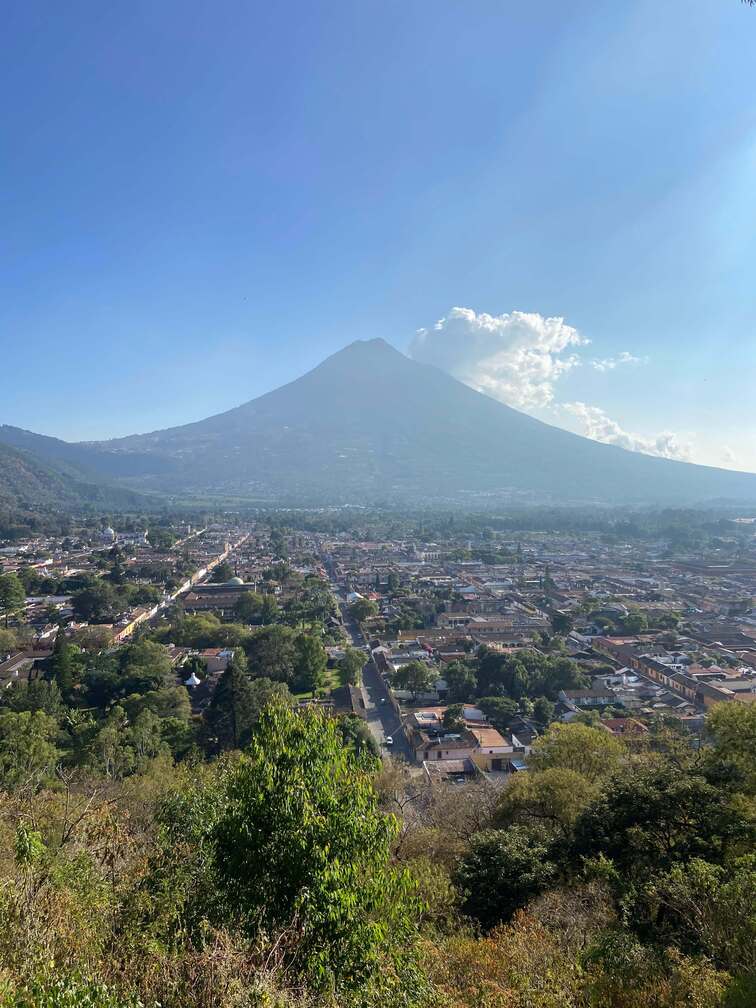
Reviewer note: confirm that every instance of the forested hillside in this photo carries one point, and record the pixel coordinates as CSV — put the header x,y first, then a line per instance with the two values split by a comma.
x,y
28,483
300,872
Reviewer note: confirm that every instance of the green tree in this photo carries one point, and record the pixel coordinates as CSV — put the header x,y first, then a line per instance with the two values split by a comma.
x,y
363,609
653,816
27,748
543,710
502,871
303,844
461,680
254,608
592,752
547,801
265,692
454,717
95,603
36,695
8,641
636,623
145,666
271,653
63,666
12,595
500,711
709,910
356,735
732,727
416,677
232,711
222,572
350,666
561,623
310,662
161,539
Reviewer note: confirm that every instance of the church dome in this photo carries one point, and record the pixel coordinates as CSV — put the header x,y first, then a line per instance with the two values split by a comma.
x,y
235,581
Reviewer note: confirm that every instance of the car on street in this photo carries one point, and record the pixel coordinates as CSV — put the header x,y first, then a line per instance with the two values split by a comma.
x,y
388,741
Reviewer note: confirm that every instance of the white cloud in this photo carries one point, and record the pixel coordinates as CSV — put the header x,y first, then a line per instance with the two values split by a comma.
x,y
594,423
516,357
729,456
610,363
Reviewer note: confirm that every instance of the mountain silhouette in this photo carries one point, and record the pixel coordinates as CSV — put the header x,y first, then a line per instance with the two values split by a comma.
x,y
369,425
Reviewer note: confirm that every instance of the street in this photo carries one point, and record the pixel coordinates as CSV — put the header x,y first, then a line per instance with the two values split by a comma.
x,y
379,713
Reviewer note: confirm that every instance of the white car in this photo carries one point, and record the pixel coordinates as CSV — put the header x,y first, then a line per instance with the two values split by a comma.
x,y
388,741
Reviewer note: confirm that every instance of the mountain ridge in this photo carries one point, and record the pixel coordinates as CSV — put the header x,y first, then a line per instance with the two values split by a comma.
x,y
370,425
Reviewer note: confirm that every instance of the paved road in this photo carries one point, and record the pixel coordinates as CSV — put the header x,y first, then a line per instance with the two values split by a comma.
x,y
380,715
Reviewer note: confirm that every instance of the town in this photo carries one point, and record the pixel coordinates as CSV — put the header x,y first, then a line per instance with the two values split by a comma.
x,y
452,654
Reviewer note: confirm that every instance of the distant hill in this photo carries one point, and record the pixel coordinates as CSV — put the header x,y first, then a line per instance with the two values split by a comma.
x,y
369,425
28,483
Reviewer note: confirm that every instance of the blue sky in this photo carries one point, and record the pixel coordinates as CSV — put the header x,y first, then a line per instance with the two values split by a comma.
x,y
201,200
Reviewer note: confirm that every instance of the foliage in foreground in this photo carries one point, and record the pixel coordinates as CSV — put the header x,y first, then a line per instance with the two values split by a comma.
x,y
297,874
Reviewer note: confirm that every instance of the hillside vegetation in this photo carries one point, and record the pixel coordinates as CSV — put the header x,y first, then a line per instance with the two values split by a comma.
x,y
301,872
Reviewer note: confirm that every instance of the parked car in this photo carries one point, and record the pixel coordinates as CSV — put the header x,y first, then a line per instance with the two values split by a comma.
x,y
388,741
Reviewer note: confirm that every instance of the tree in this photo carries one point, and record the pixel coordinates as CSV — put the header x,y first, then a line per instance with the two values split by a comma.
x,y
416,677
561,623
146,737
265,692
621,971
35,695
592,752
547,801
254,608
144,666
636,623
350,666
310,662
301,843
650,817
709,910
95,603
461,680
732,726
63,666
501,872
356,735
363,609
543,710
454,718
232,711
12,595
222,572
161,539
271,653
27,748
500,711
8,642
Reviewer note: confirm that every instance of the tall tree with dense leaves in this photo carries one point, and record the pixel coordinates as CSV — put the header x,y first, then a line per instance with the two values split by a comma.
x,y
12,595
592,752
350,666
502,870
271,653
310,661
416,677
232,711
27,748
303,845
94,603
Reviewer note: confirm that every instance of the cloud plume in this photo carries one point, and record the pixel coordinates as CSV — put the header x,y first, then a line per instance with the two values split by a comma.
x,y
516,357
596,424
610,363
